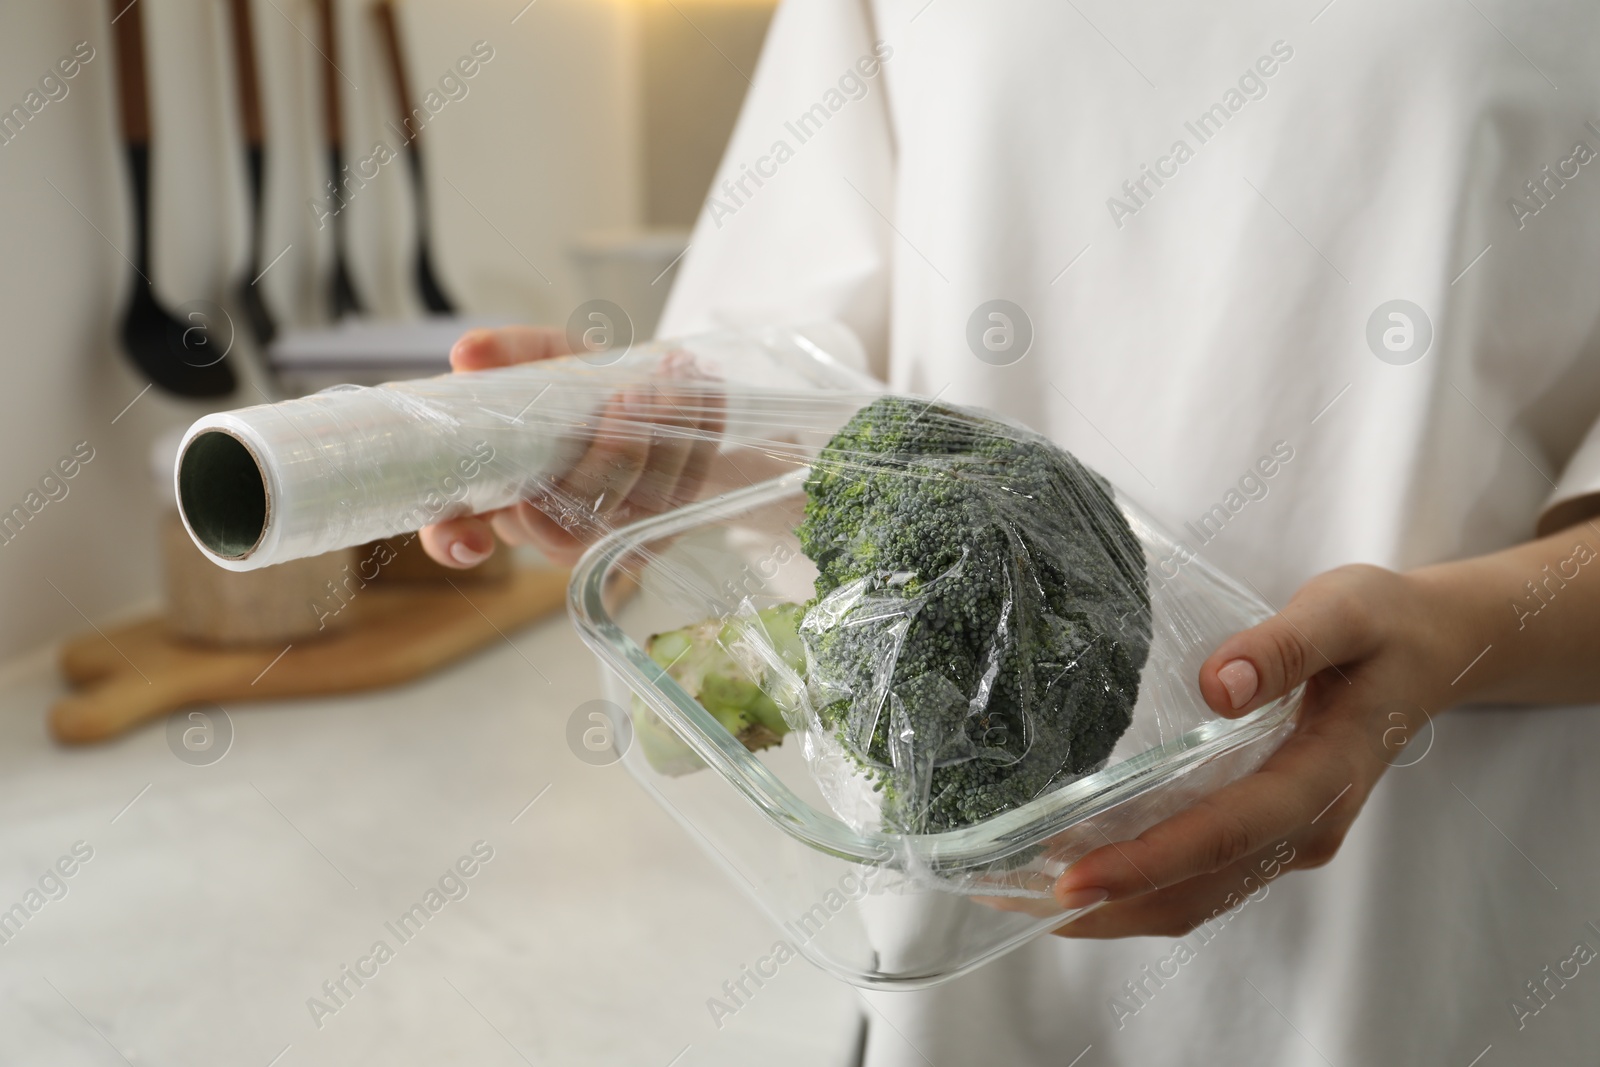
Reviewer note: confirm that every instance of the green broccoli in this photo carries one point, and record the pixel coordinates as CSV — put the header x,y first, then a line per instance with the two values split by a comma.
x,y
698,657
980,622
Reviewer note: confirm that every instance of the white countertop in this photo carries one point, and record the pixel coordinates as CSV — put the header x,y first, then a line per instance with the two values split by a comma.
x,y
223,896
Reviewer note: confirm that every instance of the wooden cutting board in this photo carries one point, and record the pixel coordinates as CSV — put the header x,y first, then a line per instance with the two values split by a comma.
x,y
136,672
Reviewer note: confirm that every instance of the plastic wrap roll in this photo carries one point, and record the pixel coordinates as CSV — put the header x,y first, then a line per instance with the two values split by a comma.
x,y
266,484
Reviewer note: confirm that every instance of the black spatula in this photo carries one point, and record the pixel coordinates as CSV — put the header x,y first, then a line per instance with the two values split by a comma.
x,y
182,356
342,297
262,324
433,294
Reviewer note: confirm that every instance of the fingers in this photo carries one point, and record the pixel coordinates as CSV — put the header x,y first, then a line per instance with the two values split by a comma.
x,y
590,497
601,480
1326,624
708,429
1038,908
468,541
1168,878
657,488
525,524
632,471
674,416
650,452
484,349
473,537
685,424
459,543
1176,911
1286,795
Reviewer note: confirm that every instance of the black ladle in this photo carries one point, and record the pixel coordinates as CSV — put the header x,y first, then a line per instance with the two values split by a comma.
x,y
342,297
433,294
262,323
186,357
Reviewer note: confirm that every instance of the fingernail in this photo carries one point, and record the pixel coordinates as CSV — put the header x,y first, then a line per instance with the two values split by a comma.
x,y
466,555
468,339
1239,678
1078,899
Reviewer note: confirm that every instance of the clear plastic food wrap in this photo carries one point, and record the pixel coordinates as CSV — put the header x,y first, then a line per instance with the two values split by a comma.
x,y
351,464
921,642
980,619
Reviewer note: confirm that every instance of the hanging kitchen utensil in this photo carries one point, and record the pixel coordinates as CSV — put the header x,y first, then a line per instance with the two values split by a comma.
x,y
251,298
186,357
433,294
342,296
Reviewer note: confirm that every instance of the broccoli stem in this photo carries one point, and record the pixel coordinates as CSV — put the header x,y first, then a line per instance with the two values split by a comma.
x,y
737,689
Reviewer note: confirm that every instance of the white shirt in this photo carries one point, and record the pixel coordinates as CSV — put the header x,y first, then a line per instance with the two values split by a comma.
x,y
1205,214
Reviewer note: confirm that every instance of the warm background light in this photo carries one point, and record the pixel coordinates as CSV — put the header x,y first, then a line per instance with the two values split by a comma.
x,y
697,58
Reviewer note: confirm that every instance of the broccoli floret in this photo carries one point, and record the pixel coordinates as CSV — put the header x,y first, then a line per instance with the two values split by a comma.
x,y
981,615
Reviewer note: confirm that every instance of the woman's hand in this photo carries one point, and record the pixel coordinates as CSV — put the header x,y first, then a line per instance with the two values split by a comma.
x,y
624,475
1376,660
1381,653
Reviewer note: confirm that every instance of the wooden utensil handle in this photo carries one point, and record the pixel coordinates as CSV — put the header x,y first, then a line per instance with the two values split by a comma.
x,y
389,30
330,73
127,23
244,51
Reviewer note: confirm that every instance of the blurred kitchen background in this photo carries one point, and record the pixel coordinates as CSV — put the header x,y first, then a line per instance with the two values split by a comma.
x,y
566,150
570,166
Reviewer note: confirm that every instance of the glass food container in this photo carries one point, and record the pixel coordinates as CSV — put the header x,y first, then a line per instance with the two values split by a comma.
x,y
880,909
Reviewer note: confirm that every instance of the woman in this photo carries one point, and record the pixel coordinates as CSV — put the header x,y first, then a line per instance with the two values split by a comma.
x,y
1357,247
